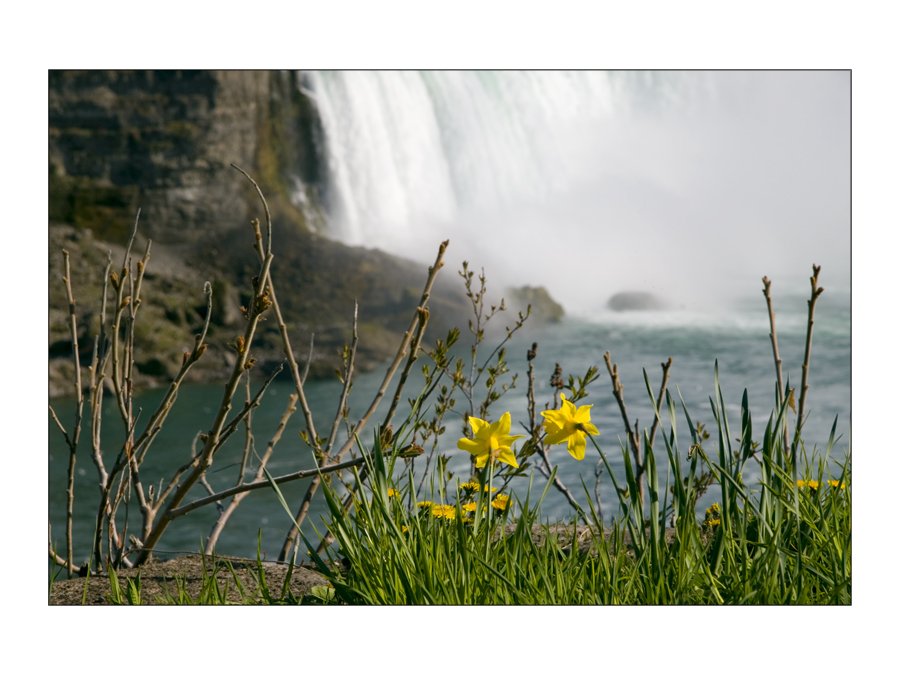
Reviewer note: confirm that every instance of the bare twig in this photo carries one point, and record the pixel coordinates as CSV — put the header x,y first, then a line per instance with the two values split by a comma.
x,y
225,435
407,336
142,445
312,339
811,304
53,555
348,375
258,485
265,206
258,305
248,432
767,286
632,434
122,301
401,352
79,407
659,400
413,355
285,339
236,500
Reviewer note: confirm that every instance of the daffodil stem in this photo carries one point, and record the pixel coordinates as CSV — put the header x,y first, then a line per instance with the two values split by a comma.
x,y
487,544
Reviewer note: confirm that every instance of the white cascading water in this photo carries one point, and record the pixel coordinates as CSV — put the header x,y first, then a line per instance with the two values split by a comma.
x,y
407,146
590,182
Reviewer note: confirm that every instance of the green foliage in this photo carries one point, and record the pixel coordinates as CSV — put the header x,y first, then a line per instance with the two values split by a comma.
x,y
776,543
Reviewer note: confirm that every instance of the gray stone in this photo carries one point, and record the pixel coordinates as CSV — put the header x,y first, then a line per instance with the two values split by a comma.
x,y
634,301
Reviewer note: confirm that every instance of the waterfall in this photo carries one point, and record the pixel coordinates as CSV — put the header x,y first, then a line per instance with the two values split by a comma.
x,y
591,182
410,147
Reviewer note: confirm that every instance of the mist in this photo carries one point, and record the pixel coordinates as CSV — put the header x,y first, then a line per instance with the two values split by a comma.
x,y
691,186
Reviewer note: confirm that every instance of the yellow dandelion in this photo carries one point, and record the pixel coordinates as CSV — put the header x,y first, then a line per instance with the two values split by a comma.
x,y
500,502
443,511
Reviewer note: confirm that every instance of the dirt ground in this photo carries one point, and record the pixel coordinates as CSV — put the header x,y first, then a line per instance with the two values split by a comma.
x,y
159,575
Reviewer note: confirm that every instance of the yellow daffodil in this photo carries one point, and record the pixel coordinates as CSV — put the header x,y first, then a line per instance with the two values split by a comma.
x,y
492,441
811,484
836,484
393,493
568,425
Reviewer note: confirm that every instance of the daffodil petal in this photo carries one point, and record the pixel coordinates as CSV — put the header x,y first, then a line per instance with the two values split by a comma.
x,y
577,445
583,414
504,424
550,426
470,446
477,424
506,455
591,429
556,437
506,441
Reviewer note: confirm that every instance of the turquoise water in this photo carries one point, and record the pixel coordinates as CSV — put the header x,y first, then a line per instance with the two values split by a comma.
x,y
737,337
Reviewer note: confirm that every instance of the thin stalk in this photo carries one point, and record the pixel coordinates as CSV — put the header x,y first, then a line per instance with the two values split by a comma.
x,y
357,429
662,390
613,369
804,385
767,285
260,472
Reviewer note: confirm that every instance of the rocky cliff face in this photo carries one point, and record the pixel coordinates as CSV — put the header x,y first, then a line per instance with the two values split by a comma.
x,y
165,142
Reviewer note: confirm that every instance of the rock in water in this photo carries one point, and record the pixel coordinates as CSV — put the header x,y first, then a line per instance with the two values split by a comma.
x,y
634,300
544,309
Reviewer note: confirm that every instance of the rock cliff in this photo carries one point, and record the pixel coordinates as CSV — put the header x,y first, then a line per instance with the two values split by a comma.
x,y
164,142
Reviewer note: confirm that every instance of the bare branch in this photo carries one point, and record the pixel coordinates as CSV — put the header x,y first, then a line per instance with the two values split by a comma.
x,y
142,445
631,433
261,301
348,375
659,400
413,355
767,285
312,338
265,206
811,304
314,485
236,500
258,485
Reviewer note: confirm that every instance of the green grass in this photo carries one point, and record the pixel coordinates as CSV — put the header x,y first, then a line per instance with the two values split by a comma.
x,y
772,543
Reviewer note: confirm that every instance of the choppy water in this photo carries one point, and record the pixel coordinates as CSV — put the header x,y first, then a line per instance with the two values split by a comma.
x,y
738,338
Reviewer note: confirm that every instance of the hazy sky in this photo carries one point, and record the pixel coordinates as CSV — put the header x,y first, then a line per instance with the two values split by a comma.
x,y
690,185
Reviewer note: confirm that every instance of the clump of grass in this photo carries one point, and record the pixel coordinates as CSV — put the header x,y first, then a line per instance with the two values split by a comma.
x,y
785,540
